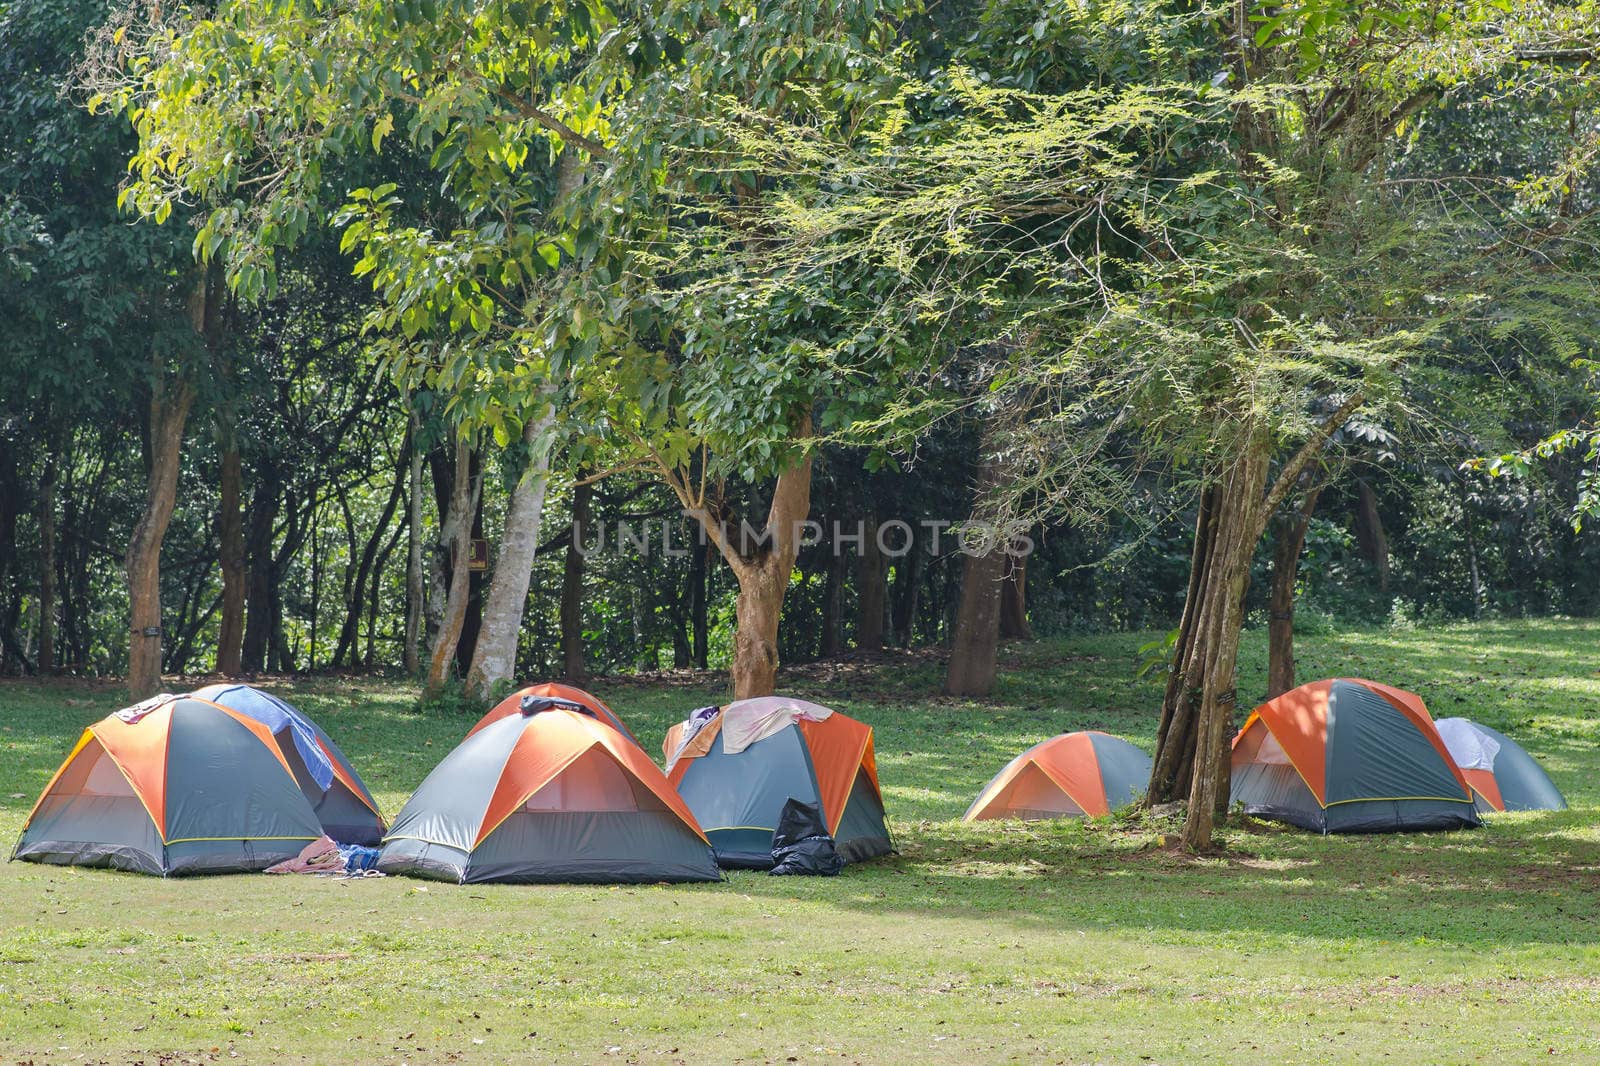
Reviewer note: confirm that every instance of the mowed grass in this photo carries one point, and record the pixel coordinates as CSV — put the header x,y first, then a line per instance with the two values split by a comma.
x,y
1058,942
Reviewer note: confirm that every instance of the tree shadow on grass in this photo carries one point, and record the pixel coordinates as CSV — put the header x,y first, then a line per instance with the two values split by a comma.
x,y
1531,879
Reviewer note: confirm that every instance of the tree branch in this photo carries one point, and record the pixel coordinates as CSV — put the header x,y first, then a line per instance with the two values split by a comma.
x,y
1301,459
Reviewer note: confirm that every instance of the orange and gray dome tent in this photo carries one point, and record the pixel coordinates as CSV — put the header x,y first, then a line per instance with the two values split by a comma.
x,y
1349,756
550,794
512,704
345,808
174,785
736,767
1072,775
1501,772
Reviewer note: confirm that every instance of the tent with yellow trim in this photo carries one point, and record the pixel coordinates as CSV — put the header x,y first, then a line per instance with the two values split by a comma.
x,y
736,766
174,785
550,794
512,704
1349,756
344,806
1073,775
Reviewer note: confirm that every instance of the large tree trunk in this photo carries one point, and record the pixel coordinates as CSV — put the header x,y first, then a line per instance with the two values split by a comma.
x,y
169,412
494,658
762,570
231,558
872,572
1014,600
1198,712
1291,541
47,568
456,531
1191,757
573,666
976,631
977,626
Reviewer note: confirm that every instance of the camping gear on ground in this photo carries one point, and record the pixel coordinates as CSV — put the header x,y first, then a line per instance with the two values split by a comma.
x,y
512,704
321,856
549,795
175,785
1349,756
1503,776
344,805
801,845
1069,776
783,749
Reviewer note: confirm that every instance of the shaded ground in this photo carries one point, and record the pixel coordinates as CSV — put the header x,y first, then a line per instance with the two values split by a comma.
x,y
1067,941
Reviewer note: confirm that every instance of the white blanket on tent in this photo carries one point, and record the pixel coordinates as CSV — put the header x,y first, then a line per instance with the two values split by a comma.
x,y
1469,746
747,721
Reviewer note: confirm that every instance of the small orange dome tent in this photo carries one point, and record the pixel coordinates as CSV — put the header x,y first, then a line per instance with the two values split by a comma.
x,y
1072,775
512,704
549,794
1349,756
174,785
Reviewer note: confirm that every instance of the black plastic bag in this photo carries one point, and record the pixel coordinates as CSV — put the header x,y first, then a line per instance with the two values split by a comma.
x,y
802,845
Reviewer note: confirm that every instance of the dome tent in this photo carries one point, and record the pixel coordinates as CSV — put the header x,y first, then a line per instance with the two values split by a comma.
x,y
1503,776
1349,756
174,785
547,795
344,806
512,704
736,767
1071,775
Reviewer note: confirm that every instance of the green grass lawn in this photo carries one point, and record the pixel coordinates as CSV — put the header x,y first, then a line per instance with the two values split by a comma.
x,y
1068,941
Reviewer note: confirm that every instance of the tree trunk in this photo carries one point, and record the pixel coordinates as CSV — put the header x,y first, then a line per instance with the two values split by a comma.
x,y
231,559
169,412
682,652
456,533
356,591
977,626
47,568
472,621
368,658
261,577
1198,715
1014,600
412,653
572,661
1280,605
976,630
832,642
11,657
699,574
763,572
872,570
1474,575
494,658
1191,756
1370,536
907,589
